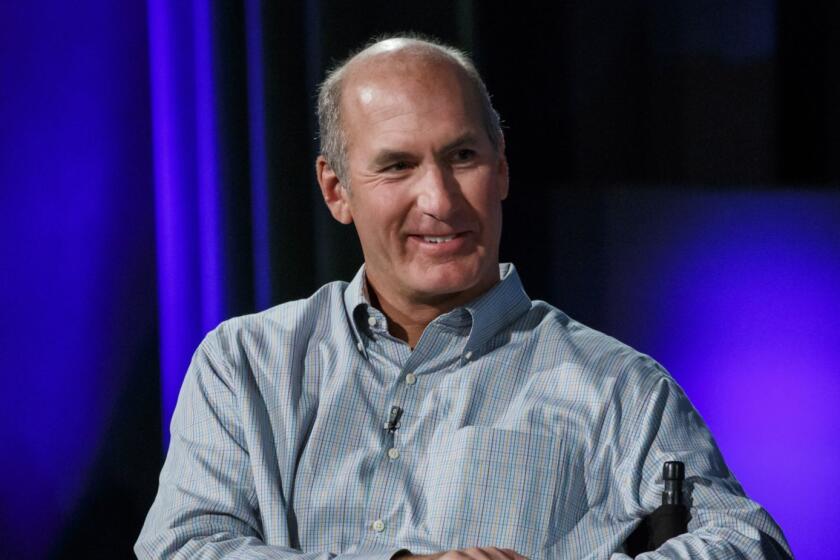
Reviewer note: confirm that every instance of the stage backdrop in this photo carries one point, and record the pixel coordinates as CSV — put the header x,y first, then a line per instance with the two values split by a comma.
x,y
674,173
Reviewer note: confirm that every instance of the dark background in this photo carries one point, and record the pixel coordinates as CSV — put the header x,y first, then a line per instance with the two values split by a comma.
x,y
156,176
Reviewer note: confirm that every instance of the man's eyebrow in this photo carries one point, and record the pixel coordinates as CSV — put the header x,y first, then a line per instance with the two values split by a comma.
x,y
385,157
465,139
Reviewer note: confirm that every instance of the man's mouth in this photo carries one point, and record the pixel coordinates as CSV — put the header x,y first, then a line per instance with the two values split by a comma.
x,y
438,239
451,243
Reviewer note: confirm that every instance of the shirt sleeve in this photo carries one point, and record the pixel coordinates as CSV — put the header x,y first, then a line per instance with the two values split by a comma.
x,y
663,426
206,506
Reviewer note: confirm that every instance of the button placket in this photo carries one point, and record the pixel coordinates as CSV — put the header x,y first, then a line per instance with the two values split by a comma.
x,y
388,479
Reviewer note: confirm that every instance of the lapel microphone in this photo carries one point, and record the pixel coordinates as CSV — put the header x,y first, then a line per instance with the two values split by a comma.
x,y
393,419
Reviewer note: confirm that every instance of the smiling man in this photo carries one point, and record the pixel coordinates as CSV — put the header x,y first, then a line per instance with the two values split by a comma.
x,y
428,181
429,408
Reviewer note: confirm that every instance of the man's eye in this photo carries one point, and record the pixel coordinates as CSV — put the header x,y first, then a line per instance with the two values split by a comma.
x,y
398,166
464,155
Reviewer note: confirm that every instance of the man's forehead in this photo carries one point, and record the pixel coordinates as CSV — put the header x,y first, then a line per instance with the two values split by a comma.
x,y
402,89
393,77
390,110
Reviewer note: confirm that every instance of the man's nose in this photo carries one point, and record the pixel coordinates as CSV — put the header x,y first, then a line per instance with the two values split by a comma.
x,y
439,192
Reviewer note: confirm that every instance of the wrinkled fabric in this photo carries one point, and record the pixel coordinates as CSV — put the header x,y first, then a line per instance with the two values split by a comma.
x,y
520,428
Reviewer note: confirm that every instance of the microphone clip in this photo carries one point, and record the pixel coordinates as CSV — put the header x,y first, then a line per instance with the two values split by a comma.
x,y
393,422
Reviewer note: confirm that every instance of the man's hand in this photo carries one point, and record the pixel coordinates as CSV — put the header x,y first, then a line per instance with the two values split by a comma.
x,y
483,553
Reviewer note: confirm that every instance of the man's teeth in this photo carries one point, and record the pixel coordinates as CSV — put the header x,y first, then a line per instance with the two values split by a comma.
x,y
430,239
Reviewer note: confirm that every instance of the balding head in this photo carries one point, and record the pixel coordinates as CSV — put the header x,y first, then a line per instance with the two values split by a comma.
x,y
404,55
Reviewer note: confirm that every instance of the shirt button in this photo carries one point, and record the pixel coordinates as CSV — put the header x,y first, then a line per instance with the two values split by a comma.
x,y
360,346
378,525
410,379
468,355
372,321
394,453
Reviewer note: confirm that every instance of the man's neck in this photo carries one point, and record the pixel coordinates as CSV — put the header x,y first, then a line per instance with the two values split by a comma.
x,y
407,325
408,319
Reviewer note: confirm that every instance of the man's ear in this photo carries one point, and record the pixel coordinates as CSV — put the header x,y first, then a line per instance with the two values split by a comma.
x,y
333,191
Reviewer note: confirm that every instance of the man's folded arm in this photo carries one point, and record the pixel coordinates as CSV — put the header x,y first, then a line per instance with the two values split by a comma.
x,y
206,506
724,524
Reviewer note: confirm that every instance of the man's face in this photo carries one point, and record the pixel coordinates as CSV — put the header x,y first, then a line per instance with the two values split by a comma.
x,y
426,184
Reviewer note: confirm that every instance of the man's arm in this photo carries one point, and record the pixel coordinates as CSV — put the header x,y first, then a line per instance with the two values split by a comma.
x,y
476,553
207,506
724,523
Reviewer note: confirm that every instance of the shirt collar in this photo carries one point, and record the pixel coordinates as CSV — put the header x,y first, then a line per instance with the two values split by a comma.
x,y
489,313
355,304
496,308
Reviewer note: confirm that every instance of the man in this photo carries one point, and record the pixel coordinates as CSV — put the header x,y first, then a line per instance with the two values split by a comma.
x,y
429,407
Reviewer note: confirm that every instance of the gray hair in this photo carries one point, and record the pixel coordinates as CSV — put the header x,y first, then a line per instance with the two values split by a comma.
x,y
331,132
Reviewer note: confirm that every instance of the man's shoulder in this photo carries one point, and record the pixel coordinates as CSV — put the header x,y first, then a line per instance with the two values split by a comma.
x,y
554,326
594,353
285,323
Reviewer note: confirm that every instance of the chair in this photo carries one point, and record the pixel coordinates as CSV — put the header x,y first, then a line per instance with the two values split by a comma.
x,y
668,520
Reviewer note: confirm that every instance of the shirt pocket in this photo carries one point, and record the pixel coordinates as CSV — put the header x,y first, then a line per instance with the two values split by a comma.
x,y
492,487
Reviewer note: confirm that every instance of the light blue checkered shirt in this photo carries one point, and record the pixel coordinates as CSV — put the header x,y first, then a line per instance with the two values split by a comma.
x,y
521,429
